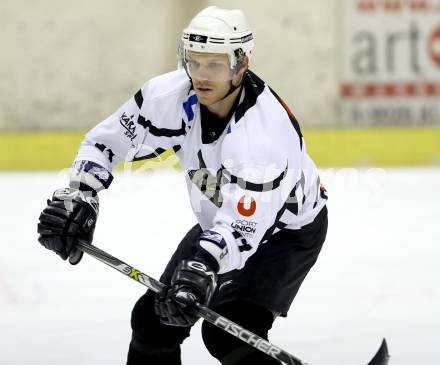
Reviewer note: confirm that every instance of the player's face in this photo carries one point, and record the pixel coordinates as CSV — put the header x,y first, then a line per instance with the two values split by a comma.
x,y
211,75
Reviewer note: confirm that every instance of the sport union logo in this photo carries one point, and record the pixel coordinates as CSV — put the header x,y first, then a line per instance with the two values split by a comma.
x,y
248,208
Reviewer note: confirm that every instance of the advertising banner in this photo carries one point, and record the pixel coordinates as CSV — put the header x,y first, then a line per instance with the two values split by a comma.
x,y
390,69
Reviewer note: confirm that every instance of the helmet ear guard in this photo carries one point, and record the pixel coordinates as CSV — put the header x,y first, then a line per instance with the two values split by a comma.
x,y
239,56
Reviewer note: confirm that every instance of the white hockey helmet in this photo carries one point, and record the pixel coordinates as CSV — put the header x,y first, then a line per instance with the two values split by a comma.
x,y
216,30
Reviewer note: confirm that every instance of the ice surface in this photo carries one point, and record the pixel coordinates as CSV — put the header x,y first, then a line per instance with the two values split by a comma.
x,y
378,273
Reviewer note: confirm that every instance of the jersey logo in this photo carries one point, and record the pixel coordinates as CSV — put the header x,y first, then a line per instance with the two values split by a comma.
x,y
208,181
246,209
128,124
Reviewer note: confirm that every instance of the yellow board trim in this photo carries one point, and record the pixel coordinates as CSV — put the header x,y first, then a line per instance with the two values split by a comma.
x,y
403,146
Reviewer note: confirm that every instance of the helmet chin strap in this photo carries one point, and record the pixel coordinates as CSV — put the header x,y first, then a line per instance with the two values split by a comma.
x,y
232,88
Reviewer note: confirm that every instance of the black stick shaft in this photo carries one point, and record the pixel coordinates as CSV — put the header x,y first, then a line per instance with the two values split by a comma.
x,y
204,312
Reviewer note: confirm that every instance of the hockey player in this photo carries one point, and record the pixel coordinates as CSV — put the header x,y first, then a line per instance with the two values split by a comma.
x,y
254,190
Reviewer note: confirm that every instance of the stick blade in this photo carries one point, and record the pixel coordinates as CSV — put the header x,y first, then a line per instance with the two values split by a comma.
x,y
382,355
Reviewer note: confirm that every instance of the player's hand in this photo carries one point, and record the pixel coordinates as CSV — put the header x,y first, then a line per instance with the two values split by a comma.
x,y
192,281
70,216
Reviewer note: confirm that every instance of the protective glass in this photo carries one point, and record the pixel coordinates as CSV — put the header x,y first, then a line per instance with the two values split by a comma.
x,y
208,66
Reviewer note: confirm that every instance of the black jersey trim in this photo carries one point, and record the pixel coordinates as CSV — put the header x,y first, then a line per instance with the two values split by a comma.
x,y
253,87
177,148
161,132
247,185
156,153
104,149
202,163
210,184
139,99
291,204
243,243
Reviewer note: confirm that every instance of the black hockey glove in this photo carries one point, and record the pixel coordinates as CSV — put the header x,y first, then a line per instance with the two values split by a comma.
x,y
70,216
192,281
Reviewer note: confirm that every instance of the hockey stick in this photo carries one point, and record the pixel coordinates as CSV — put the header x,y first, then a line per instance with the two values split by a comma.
x,y
381,357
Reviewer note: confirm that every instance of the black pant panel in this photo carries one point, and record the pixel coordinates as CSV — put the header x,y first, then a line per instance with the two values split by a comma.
x,y
153,342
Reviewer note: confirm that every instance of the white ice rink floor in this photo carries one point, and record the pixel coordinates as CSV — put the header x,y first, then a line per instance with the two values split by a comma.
x,y
378,274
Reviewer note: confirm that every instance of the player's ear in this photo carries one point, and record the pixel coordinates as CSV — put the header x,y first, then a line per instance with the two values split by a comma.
x,y
244,66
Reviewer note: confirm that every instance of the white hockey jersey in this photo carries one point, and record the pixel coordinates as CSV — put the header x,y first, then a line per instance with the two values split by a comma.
x,y
255,179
